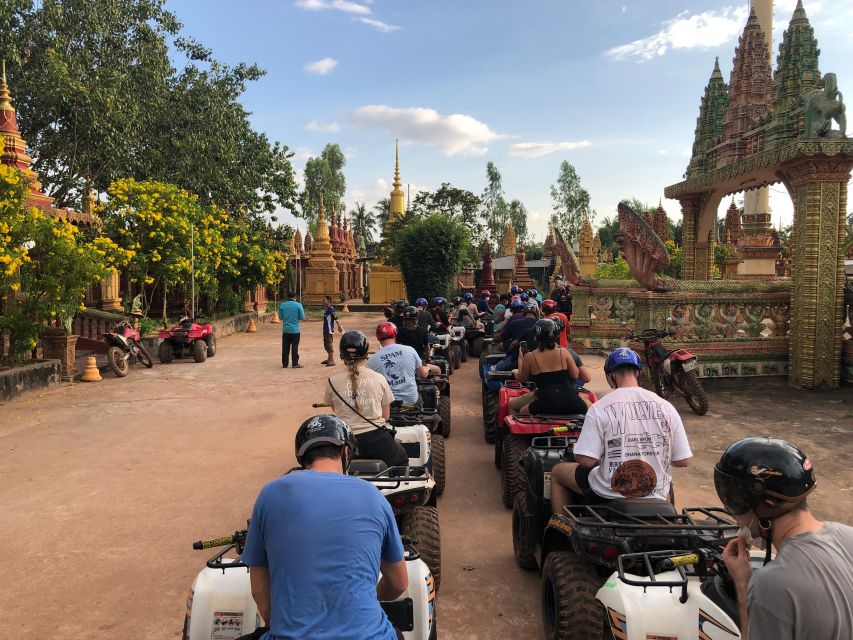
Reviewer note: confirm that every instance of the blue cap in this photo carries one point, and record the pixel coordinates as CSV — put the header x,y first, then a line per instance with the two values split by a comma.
x,y
622,357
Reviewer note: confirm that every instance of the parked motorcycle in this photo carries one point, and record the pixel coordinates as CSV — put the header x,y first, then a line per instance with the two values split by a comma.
x,y
125,349
671,370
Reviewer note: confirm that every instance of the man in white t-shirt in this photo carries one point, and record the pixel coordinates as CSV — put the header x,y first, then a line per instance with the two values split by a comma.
x,y
630,441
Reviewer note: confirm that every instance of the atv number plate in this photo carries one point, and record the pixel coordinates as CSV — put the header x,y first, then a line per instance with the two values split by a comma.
x,y
690,365
546,486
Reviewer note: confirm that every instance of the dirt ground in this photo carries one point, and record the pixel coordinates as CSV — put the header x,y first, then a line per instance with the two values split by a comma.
x,y
104,487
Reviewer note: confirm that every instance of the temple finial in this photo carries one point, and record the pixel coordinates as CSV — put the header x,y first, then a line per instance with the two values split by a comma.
x,y
5,95
397,182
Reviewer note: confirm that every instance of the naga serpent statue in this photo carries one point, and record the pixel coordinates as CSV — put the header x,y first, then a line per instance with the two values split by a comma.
x,y
644,251
822,106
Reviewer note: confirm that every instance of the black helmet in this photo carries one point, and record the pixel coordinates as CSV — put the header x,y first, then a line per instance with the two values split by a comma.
x,y
766,475
561,326
324,430
410,313
353,346
399,305
457,301
546,332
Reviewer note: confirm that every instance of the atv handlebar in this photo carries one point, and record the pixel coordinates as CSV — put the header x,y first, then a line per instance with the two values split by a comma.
x,y
238,538
318,405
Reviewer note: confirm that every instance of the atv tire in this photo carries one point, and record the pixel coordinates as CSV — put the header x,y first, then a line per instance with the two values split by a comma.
x,y
521,547
477,346
211,345
694,393
456,355
165,352
421,524
490,414
511,479
439,468
463,351
444,414
199,351
118,363
569,608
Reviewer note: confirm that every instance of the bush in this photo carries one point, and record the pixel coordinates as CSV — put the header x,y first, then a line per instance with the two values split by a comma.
x,y
617,270
431,251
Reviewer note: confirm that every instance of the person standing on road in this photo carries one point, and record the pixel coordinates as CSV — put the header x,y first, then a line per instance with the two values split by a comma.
x,y
290,313
630,441
318,542
806,591
330,321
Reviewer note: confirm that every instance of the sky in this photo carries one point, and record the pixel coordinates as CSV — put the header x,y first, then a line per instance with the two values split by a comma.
x,y
612,87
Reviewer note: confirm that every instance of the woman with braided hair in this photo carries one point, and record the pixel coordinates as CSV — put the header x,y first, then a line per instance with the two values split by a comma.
x,y
362,398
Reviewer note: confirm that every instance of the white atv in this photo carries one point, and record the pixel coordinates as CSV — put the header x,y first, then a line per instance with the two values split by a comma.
x,y
220,603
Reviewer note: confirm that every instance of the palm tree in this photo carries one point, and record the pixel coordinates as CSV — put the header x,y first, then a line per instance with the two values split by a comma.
x,y
363,222
383,210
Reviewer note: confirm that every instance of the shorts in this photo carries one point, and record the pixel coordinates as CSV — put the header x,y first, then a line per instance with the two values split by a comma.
x,y
379,444
329,342
582,480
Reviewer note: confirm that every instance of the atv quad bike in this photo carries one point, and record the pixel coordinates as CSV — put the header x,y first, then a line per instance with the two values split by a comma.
x,y
185,338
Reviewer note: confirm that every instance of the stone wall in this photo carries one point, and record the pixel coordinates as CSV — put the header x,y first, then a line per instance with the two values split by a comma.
x,y
30,377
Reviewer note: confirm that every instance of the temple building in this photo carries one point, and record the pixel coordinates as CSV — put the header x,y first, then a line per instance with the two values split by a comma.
x,y
386,282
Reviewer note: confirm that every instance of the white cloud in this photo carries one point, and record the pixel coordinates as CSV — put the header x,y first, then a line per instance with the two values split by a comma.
x,y
321,67
702,30
453,134
667,152
301,154
319,127
380,26
339,5
539,149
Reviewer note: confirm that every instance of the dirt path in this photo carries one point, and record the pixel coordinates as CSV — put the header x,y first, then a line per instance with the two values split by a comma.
x,y
104,487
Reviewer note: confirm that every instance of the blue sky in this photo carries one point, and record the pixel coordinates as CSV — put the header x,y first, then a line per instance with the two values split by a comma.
x,y
613,87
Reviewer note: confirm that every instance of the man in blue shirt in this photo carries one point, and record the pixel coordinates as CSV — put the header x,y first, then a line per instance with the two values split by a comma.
x,y
290,313
330,321
512,336
400,364
318,541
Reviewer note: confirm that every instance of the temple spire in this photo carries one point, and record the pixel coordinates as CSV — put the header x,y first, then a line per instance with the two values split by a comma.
x,y
5,95
398,197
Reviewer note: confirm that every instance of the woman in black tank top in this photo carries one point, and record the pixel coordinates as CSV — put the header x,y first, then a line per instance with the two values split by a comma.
x,y
554,372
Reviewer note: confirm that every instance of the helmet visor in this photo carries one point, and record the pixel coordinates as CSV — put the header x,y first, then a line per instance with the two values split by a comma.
x,y
735,494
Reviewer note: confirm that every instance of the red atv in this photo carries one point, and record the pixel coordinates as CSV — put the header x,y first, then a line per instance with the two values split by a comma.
x,y
185,338
515,432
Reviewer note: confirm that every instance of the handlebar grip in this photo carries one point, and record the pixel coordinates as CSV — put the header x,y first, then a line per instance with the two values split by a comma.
x,y
318,405
214,542
681,561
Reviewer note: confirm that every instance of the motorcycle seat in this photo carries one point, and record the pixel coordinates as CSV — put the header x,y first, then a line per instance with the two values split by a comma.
x,y
643,507
366,467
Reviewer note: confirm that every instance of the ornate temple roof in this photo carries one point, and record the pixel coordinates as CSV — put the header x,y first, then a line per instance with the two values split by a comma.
x,y
709,124
660,222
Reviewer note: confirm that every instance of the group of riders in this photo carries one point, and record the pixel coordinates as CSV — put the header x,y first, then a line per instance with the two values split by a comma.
x,y
320,541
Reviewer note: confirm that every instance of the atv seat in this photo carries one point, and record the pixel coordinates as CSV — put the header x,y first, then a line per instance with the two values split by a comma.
x,y
643,507
366,467
571,417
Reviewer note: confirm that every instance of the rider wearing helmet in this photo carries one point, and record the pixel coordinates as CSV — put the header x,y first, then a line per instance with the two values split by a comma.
x,y
424,317
310,577
553,371
483,302
401,365
412,334
398,308
631,439
363,399
807,590
512,337
549,310
441,322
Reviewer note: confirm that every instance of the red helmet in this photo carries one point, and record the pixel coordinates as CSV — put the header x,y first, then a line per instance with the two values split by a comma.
x,y
549,306
386,331
486,293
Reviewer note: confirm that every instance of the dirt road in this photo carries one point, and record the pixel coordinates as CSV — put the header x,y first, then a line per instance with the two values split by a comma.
x,y
105,486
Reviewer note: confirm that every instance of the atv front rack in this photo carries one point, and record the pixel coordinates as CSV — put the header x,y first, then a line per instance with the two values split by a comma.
x,y
655,562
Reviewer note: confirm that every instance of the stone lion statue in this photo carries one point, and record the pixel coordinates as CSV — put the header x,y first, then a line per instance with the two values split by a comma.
x,y
822,106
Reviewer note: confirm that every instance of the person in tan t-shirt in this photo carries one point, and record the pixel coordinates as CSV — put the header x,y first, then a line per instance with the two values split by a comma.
x,y
362,398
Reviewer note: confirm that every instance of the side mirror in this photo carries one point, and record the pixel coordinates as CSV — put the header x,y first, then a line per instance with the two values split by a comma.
x,y
623,324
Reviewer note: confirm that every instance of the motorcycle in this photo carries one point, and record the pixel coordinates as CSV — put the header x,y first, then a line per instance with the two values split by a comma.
x,y
671,370
125,349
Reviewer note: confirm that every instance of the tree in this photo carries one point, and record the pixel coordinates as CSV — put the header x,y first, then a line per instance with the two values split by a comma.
x,y
432,251
494,209
46,265
607,235
457,204
383,211
518,218
570,202
324,179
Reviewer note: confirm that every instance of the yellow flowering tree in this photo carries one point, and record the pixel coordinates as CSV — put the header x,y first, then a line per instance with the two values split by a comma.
x,y
46,265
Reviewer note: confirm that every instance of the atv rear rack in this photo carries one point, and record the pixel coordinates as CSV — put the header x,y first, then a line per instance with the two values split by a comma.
x,y
406,474
622,524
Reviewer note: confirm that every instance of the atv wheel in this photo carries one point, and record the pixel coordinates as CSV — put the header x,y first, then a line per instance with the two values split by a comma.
x,y
694,393
143,356
421,524
477,346
118,363
499,450
211,345
165,352
199,351
439,472
569,608
511,481
490,414
463,353
444,414
456,355
520,544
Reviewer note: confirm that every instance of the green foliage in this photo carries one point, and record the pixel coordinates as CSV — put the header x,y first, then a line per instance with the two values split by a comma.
x,y
673,270
147,326
431,251
534,251
324,179
364,223
617,270
607,235
98,97
518,218
570,202
459,205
